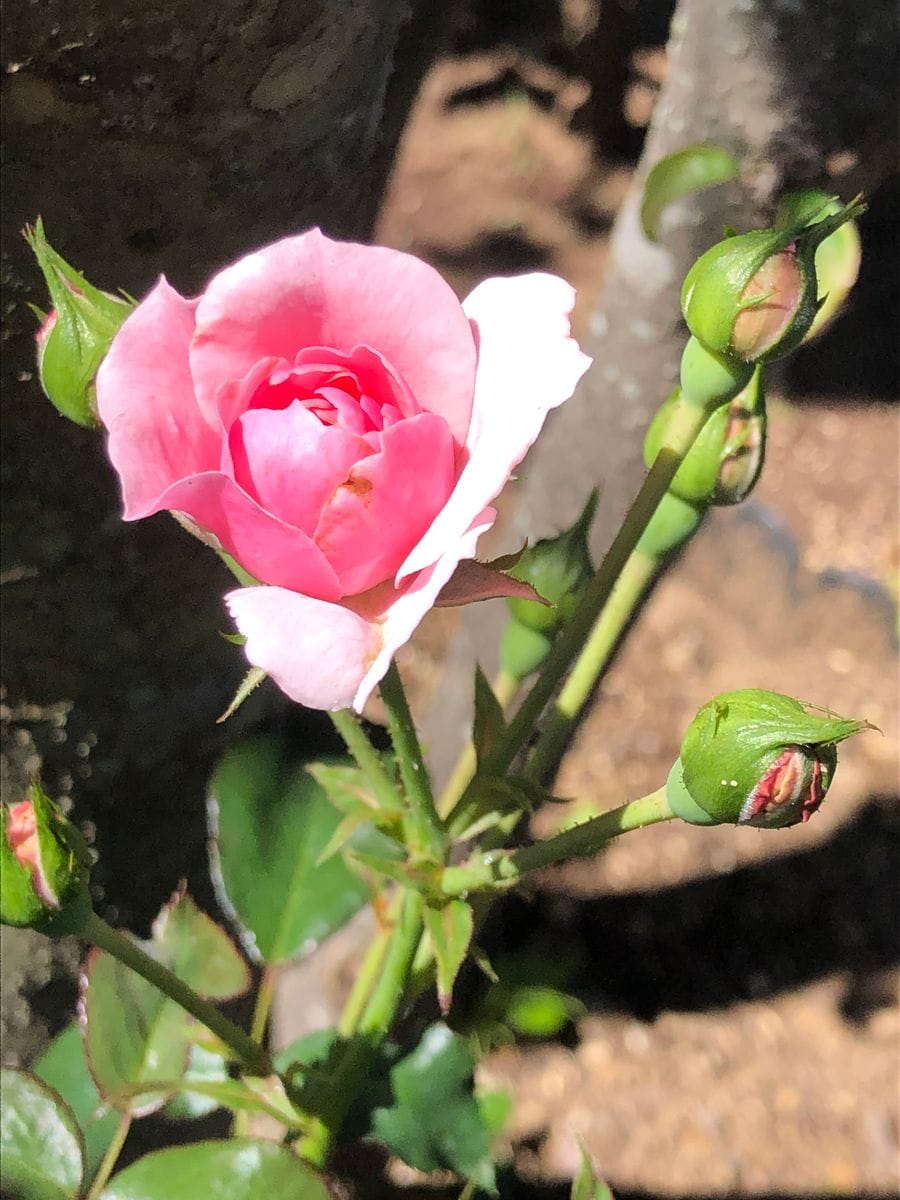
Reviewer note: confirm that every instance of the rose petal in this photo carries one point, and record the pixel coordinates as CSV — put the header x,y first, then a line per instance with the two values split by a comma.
x,y
145,398
387,502
310,291
316,652
412,601
290,462
269,549
527,364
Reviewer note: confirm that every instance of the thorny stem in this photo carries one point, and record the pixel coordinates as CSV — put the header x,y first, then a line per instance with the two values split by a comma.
x,y
253,1056
499,869
426,834
348,725
636,577
680,437
371,1030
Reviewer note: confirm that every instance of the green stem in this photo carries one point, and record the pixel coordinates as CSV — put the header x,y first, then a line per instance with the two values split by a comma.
x,y
264,996
348,725
372,1028
681,434
426,833
636,577
504,688
499,869
364,984
110,1158
249,1052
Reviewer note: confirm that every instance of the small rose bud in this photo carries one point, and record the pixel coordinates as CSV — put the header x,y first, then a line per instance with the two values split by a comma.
x,y
44,881
726,458
752,757
744,446
558,569
522,650
754,296
74,338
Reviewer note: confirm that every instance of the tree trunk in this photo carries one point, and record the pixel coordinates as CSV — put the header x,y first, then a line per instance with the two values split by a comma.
x,y
798,92
154,139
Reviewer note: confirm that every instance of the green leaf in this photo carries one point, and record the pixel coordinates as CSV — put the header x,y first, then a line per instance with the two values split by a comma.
x,y
41,1150
240,1169
205,1067
305,1051
198,950
133,1034
450,930
269,822
64,1067
489,723
348,789
586,1185
495,1108
681,174
435,1121
253,1094
540,1012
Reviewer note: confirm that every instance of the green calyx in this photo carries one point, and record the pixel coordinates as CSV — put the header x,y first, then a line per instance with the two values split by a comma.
x,y
753,757
75,337
670,526
558,568
44,862
754,296
837,257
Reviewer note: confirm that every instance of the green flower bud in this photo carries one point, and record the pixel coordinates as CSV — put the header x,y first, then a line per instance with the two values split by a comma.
x,y
754,296
558,568
672,524
726,459
744,446
44,880
75,337
752,757
522,650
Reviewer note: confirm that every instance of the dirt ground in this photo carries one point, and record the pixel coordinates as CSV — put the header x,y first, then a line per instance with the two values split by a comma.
x,y
741,1033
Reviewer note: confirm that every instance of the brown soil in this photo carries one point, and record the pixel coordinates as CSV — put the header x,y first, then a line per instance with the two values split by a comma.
x,y
741,1036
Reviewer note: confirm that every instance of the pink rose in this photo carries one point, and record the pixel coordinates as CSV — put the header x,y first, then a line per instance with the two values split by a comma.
x,y
333,418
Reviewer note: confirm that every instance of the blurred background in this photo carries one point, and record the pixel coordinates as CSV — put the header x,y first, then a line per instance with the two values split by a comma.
x,y
718,1014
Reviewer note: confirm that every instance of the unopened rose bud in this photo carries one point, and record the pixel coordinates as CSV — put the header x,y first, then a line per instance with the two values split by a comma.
x,y
74,338
754,296
558,568
725,461
744,446
44,880
758,758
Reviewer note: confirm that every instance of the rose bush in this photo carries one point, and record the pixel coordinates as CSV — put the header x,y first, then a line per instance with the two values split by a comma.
x,y
330,416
